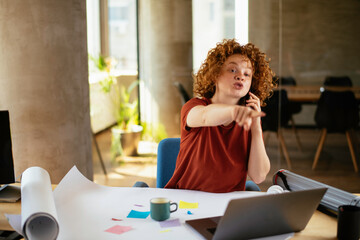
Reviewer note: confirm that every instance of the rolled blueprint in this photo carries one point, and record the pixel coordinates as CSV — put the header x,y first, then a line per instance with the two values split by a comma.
x,y
332,199
38,212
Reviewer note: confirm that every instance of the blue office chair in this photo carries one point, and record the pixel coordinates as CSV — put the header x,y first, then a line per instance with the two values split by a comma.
x,y
168,151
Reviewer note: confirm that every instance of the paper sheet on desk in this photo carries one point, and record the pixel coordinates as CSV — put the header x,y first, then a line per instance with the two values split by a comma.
x,y
89,212
38,218
85,210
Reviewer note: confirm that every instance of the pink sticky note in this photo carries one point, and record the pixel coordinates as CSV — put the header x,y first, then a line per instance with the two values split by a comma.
x,y
117,229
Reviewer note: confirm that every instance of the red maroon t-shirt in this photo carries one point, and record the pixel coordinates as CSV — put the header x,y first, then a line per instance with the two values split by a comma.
x,y
211,159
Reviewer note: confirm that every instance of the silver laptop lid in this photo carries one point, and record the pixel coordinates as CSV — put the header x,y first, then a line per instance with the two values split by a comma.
x,y
268,215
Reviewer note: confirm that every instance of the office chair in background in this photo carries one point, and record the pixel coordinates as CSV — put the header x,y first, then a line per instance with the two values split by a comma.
x,y
344,81
337,112
277,117
168,151
184,95
294,107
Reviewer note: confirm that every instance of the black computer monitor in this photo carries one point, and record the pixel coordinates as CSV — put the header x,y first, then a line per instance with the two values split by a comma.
x,y
6,158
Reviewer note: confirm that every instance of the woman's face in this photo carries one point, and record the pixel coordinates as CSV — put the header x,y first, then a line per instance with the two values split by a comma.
x,y
235,78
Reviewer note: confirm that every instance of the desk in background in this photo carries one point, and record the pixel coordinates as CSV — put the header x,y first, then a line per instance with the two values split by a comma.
x,y
311,94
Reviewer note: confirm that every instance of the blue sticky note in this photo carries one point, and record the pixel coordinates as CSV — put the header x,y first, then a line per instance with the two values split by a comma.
x,y
137,214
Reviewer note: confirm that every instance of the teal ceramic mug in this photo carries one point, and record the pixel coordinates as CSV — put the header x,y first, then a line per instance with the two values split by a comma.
x,y
160,208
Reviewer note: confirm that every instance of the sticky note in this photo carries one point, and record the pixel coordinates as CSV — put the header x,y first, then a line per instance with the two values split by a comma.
x,y
137,214
183,204
117,229
170,223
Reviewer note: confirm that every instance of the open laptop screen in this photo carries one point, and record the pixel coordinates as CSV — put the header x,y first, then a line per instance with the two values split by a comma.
x,y
6,158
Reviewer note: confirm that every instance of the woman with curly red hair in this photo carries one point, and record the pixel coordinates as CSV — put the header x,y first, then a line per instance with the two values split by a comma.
x,y
221,135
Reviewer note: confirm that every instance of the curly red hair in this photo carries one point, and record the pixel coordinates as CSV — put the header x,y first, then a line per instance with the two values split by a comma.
x,y
262,83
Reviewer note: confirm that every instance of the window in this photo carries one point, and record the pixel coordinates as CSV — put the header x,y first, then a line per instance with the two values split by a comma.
x,y
93,29
112,32
123,34
215,20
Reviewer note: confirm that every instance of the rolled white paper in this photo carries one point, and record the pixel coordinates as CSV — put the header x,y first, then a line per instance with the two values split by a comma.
x,y
38,211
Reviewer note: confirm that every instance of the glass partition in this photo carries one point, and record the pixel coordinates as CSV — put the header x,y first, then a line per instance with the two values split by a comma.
x,y
309,42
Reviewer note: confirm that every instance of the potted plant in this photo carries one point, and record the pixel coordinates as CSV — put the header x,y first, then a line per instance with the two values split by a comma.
x,y
127,132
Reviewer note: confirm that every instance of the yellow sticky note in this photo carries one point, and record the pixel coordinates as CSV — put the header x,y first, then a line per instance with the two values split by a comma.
x,y
183,204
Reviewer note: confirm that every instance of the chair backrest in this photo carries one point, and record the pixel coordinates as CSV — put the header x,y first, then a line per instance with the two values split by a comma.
x,y
288,81
294,107
277,111
168,151
184,95
344,81
337,111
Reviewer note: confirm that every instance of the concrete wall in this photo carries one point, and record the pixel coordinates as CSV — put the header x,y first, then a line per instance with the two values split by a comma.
x,y
165,57
310,39
44,84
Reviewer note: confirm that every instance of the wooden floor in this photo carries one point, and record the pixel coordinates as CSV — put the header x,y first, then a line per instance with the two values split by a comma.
x,y
335,166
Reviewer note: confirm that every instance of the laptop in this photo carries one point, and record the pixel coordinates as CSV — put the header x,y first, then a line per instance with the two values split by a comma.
x,y
261,216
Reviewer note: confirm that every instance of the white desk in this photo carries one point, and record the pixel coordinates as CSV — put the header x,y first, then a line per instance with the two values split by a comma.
x,y
85,210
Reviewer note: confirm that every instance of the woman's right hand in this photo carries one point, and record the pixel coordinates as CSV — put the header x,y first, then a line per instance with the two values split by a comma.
x,y
244,116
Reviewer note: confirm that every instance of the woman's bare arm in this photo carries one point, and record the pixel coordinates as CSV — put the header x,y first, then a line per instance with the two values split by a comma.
x,y
221,114
259,163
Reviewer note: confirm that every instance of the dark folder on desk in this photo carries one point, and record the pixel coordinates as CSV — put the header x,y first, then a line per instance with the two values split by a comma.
x,y
261,216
